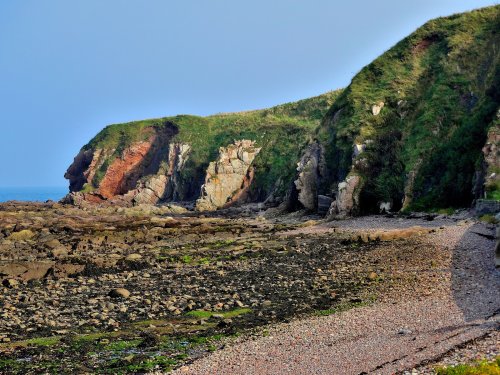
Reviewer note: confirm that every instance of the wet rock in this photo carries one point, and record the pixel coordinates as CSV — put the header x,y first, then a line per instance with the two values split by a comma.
x,y
10,283
133,257
119,293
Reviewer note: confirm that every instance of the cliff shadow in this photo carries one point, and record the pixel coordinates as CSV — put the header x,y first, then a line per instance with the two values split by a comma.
x,y
151,162
475,282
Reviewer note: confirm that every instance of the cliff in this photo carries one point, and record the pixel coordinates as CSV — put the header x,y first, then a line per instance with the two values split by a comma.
x,y
169,159
417,129
409,130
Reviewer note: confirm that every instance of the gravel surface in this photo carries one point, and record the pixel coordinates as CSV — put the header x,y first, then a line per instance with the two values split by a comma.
x,y
393,335
484,348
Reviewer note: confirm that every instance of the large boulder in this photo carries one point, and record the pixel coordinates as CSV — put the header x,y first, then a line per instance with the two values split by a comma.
x,y
347,200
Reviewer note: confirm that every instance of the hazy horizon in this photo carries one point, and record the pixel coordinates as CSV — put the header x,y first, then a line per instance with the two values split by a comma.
x,y
70,68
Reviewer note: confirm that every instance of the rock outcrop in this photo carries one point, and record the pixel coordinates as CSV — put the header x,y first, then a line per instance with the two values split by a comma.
x,y
346,202
164,160
166,184
144,172
425,129
376,108
491,152
228,179
309,172
406,134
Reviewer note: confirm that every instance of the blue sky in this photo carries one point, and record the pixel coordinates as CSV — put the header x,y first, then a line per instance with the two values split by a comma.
x,y
68,68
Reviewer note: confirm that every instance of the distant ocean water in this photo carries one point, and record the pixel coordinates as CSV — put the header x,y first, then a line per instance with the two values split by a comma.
x,y
32,193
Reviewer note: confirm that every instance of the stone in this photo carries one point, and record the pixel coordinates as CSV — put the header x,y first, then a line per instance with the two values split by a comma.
x,y
376,108
358,149
119,293
165,185
404,331
309,170
22,235
487,206
372,276
347,200
133,257
60,252
10,283
26,271
228,178
491,153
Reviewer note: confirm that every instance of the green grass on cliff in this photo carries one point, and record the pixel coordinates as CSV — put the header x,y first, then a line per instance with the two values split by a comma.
x,y
440,87
281,131
441,91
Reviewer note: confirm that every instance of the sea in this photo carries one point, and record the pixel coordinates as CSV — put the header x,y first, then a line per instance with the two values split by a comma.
x,y
40,194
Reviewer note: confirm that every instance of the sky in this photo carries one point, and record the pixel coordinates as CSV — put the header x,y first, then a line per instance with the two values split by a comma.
x,y
69,68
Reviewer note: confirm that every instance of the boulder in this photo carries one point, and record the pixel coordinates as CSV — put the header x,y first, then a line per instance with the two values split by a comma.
x,y
347,200
376,108
119,293
26,270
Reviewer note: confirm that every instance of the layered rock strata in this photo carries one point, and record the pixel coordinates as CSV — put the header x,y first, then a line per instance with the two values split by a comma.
x,y
228,179
146,172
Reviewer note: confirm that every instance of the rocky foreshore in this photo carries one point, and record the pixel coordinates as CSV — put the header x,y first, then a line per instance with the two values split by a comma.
x,y
145,288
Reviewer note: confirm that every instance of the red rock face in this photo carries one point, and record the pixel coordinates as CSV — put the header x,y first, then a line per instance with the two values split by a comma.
x,y
122,174
242,194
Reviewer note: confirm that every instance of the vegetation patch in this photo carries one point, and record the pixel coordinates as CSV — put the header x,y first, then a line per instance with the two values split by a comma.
x,y
202,314
479,368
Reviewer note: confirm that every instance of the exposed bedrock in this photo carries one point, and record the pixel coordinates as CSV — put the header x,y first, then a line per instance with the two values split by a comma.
x,y
229,177
491,152
166,184
309,171
146,171
347,199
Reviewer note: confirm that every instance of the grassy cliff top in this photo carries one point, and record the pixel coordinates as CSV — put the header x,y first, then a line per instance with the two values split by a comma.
x,y
281,131
440,90
306,113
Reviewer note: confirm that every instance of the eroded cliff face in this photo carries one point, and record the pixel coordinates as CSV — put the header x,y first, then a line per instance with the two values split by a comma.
x,y
144,172
166,184
346,202
417,117
310,169
491,152
229,178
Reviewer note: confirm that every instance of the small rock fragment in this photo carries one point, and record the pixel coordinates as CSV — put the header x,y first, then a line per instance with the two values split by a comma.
x,y
119,293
